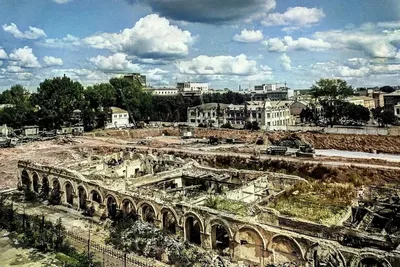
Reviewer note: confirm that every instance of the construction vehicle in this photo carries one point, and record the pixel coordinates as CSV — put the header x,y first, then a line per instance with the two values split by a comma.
x,y
8,142
306,151
276,150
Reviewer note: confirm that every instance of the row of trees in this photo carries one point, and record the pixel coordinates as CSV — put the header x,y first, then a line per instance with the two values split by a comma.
x,y
331,95
56,99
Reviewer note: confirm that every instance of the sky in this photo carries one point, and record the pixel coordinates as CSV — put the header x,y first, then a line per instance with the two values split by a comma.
x,y
226,43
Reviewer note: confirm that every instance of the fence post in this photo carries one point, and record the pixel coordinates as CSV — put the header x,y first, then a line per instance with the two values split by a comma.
x,y
125,260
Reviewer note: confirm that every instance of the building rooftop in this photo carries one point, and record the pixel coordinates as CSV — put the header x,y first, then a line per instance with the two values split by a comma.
x,y
118,110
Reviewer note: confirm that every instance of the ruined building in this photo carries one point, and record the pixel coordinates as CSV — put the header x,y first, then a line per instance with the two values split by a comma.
x,y
222,209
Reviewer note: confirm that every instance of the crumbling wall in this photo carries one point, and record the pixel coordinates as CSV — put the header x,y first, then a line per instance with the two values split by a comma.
x,y
137,133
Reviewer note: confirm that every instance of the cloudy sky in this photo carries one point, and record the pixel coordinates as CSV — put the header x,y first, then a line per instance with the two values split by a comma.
x,y
224,42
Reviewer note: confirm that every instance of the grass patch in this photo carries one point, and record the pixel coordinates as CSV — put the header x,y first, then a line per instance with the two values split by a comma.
x,y
316,201
65,259
233,206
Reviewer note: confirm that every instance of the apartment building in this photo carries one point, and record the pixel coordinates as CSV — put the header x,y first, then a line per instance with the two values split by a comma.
x,y
270,115
192,88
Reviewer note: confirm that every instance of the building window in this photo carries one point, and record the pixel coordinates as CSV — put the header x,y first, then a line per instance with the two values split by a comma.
x,y
115,116
120,115
398,111
125,115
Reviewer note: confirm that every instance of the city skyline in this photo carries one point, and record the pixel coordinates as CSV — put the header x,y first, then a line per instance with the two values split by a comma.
x,y
226,45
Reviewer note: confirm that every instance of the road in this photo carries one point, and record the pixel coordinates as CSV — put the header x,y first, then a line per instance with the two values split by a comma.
x,y
267,157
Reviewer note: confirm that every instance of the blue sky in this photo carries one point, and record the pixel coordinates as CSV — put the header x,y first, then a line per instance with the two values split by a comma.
x,y
226,43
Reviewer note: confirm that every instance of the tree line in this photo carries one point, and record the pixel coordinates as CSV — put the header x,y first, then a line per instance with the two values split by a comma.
x,y
56,99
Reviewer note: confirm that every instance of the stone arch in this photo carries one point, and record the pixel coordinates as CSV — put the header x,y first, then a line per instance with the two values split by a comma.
x,y
325,255
55,197
111,202
128,207
147,211
220,233
69,192
82,197
45,187
96,196
169,219
286,249
35,182
25,180
250,244
193,228
369,260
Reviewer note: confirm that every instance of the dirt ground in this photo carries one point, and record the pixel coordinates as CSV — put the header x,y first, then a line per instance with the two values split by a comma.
x,y
53,152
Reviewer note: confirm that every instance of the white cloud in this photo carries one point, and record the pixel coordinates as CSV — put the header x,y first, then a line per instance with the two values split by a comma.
x,y
285,62
33,33
116,62
68,42
157,76
289,44
218,65
249,36
151,37
24,57
15,69
62,1
295,16
368,38
3,54
52,61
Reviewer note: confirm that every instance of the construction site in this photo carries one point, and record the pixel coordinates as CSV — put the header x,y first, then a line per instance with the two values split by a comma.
x,y
244,198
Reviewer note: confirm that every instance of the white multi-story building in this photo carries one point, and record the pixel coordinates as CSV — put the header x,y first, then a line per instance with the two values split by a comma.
x,y
119,118
265,88
191,88
162,91
270,115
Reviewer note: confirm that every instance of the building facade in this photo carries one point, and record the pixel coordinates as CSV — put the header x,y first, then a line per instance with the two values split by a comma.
x,y
270,115
265,88
192,88
364,101
397,110
119,118
137,77
162,91
391,100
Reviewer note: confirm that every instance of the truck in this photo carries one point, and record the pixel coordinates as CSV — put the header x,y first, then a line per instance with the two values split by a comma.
x,y
8,142
306,151
276,150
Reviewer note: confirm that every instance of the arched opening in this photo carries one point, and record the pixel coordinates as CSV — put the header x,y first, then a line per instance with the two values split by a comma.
x,y
370,262
55,197
220,239
169,222
82,198
96,197
36,186
128,209
193,230
45,188
69,193
250,245
286,250
25,181
111,207
148,213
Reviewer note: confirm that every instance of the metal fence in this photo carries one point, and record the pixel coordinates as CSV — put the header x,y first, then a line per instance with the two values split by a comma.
x,y
111,257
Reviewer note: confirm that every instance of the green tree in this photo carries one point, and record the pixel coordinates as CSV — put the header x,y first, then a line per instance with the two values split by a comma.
x,y
387,89
21,112
330,93
57,99
387,117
